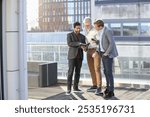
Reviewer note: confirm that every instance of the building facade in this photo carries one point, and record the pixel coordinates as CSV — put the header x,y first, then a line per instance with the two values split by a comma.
x,y
129,19
130,22
59,15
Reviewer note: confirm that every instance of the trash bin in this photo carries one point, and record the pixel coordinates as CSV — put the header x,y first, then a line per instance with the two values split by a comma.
x,y
47,74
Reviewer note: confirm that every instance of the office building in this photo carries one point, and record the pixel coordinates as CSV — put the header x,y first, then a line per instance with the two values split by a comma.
x,y
59,15
129,19
130,22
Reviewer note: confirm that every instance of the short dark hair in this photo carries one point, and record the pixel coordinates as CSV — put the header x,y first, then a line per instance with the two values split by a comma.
x,y
76,24
99,23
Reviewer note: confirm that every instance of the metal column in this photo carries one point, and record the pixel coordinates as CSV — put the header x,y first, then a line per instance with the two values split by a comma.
x,y
15,49
1,57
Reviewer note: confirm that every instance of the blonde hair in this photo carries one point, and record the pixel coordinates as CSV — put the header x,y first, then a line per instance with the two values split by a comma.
x,y
99,23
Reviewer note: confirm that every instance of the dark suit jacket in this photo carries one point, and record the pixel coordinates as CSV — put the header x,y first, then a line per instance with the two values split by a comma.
x,y
74,45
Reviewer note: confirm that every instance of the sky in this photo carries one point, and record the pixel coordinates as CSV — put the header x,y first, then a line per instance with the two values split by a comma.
x,y
32,13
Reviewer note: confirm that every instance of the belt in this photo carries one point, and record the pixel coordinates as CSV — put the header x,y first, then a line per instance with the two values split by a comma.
x,y
92,49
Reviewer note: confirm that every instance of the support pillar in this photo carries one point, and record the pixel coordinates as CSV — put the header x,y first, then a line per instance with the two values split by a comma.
x,y
15,40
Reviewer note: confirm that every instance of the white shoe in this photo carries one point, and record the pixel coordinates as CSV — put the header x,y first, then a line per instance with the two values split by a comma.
x,y
68,92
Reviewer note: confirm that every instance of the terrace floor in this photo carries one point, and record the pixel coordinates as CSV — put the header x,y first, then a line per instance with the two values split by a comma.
x,y
57,92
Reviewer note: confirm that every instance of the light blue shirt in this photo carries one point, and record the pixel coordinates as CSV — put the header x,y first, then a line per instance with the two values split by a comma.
x,y
100,35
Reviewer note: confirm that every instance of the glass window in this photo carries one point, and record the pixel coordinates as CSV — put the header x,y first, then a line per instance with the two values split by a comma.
x,y
146,64
144,10
117,11
145,29
109,11
36,56
70,5
135,64
70,19
116,27
70,8
47,56
70,11
125,65
130,29
63,56
107,25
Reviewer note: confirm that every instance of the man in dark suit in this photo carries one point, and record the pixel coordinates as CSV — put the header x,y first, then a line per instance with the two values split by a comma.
x,y
75,41
107,49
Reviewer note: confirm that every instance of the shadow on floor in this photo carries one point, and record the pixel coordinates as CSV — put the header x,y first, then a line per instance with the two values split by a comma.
x,y
74,96
113,98
57,92
80,95
131,89
63,96
60,96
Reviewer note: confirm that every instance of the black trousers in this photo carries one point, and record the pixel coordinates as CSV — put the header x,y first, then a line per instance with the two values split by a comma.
x,y
74,64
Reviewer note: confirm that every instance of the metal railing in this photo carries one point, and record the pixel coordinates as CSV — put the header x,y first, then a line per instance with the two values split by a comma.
x,y
127,67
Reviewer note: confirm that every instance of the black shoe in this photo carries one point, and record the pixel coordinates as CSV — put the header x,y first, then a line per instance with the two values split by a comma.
x,y
92,88
106,91
110,94
98,91
77,90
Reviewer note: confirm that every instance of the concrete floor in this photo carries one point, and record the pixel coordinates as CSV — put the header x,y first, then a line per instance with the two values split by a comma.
x,y
57,92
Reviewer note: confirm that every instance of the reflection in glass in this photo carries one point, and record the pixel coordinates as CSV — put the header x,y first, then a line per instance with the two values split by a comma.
x,y
146,64
106,24
145,29
116,27
71,8
119,11
135,64
144,10
125,65
130,29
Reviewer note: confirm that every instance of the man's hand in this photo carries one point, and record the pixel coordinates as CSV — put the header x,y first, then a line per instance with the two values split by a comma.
x,y
94,54
83,48
105,54
92,42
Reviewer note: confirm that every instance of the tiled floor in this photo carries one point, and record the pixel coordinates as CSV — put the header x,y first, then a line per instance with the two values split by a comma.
x,y
58,93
